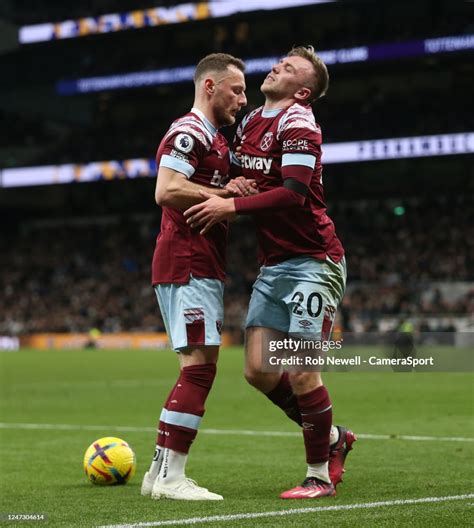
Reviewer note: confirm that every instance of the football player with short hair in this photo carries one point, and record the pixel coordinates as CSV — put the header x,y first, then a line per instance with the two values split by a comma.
x,y
303,274
189,269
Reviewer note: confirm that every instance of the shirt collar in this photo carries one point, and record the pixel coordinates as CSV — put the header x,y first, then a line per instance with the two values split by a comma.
x,y
271,113
212,129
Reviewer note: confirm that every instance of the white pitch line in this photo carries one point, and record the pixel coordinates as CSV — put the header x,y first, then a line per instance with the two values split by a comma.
x,y
297,511
74,427
363,436
231,432
91,383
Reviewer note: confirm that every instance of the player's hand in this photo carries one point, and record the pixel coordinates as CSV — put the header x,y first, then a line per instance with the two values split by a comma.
x,y
240,186
205,214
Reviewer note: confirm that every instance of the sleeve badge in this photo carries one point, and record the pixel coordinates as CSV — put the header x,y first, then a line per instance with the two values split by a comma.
x,y
184,143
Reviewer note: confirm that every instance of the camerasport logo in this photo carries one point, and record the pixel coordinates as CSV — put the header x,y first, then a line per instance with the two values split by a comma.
x,y
266,141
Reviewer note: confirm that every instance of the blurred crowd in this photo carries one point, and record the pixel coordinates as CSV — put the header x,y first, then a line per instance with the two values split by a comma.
x,y
405,261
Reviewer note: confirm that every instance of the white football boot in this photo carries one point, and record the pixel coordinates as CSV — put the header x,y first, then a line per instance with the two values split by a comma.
x,y
183,489
147,484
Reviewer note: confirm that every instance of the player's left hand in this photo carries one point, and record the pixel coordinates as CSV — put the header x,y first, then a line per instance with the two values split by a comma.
x,y
240,186
205,214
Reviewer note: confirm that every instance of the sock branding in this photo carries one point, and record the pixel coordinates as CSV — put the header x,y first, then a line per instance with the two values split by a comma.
x,y
165,464
156,456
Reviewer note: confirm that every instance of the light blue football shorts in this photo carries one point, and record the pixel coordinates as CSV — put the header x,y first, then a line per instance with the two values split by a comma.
x,y
193,313
298,297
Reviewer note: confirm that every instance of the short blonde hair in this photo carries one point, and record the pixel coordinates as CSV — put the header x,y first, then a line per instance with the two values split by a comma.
x,y
320,82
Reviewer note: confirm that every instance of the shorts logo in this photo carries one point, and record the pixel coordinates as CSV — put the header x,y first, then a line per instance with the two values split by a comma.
x,y
193,314
305,323
219,327
266,141
184,143
329,311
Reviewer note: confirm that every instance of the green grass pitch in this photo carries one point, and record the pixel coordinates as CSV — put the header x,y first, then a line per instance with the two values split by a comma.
x,y
41,469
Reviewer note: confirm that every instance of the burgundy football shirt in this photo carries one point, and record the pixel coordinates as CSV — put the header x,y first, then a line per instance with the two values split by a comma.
x,y
290,138
195,148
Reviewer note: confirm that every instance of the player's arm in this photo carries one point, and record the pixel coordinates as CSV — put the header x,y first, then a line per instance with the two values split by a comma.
x,y
297,171
301,146
297,168
180,157
174,189
301,140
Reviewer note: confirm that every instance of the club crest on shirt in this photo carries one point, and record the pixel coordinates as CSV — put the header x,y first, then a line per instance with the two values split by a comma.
x,y
184,143
266,141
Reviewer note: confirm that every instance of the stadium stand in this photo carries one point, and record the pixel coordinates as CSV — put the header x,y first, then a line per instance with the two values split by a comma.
x,y
96,272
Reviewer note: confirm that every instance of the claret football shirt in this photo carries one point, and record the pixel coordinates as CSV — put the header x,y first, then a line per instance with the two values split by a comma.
x,y
291,139
194,147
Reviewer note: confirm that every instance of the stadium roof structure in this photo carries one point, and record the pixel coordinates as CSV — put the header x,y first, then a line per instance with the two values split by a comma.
x,y
156,16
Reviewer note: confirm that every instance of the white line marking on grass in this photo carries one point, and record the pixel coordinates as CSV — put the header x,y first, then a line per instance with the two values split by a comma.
x,y
89,384
363,436
73,427
416,438
297,511
232,432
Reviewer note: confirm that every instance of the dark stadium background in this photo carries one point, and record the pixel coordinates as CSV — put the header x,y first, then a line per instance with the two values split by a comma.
x,y
77,256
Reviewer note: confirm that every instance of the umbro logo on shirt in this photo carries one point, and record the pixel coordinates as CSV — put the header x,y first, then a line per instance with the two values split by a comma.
x,y
257,163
